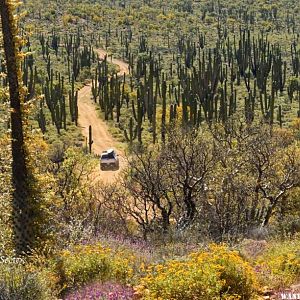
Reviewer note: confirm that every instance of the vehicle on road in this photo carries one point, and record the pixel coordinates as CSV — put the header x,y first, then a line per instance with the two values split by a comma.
x,y
109,160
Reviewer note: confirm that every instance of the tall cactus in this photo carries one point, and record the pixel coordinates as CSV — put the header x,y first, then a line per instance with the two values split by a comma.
x,y
132,132
90,142
164,107
73,102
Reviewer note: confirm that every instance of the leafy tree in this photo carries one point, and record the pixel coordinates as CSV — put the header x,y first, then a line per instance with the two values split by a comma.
x,y
73,184
256,170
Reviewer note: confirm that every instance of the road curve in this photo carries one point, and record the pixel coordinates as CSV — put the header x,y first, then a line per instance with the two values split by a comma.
x,y
88,115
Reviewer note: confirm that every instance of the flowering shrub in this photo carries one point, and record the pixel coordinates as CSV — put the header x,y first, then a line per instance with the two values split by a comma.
x,y
87,263
204,275
279,265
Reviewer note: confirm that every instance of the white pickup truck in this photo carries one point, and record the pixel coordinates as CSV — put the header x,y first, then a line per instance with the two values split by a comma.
x,y
109,160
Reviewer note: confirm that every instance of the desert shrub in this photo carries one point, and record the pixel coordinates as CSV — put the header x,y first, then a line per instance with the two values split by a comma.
x,y
68,19
87,263
203,275
17,282
72,206
85,73
279,265
251,249
287,219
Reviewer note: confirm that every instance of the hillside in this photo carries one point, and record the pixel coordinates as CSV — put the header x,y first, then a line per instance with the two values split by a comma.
x,y
201,102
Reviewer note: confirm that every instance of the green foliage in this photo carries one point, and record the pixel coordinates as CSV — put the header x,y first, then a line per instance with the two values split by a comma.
x,y
87,263
17,282
279,265
41,196
5,195
73,182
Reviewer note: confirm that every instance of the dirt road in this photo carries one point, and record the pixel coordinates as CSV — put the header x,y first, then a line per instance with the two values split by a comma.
x,y
124,67
88,115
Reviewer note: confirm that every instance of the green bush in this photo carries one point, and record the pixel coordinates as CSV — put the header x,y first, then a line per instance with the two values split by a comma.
x,y
18,283
86,263
279,265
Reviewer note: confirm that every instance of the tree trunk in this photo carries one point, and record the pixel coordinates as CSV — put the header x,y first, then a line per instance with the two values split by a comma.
x,y
165,220
190,207
20,212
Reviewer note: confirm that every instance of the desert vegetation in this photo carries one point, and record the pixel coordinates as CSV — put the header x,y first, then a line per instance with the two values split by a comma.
x,y
202,100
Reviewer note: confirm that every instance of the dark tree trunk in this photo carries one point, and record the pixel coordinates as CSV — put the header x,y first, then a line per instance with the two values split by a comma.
x,y
165,220
19,172
190,209
269,212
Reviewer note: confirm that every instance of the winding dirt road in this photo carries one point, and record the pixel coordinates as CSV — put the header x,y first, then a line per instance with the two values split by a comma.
x,y
88,115
124,67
